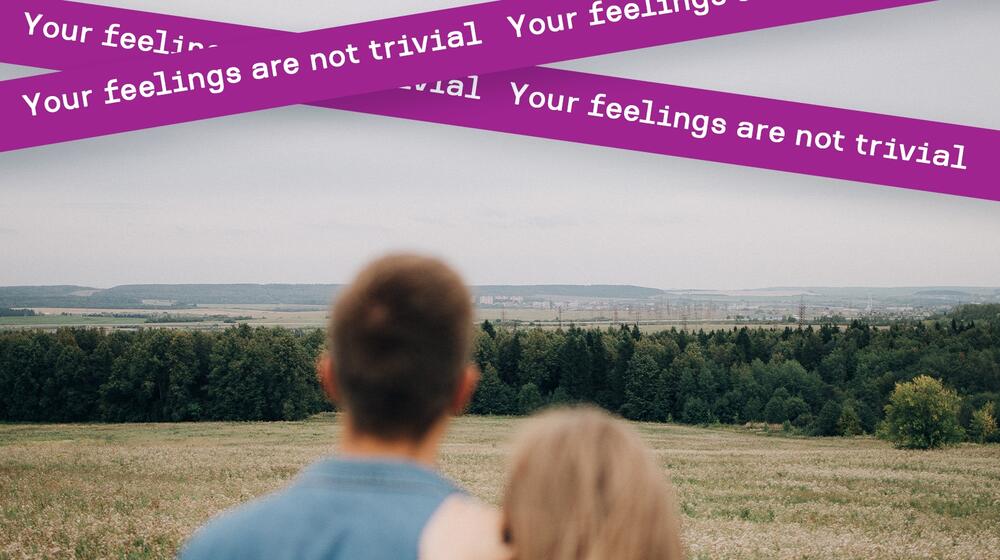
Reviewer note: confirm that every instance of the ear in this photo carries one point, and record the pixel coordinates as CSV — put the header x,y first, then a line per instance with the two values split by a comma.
x,y
467,383
327,377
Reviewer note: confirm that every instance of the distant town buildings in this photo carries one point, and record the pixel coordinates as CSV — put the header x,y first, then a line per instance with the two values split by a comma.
x,y
503,301
709,308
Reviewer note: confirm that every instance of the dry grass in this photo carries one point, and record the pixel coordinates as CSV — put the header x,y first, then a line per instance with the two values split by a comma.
x,y
136,491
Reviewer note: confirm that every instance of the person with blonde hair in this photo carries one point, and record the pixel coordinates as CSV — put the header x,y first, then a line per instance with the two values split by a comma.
x,y
583,486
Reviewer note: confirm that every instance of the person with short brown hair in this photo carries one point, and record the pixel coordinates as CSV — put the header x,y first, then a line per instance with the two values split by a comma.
x,y
398,369
400,340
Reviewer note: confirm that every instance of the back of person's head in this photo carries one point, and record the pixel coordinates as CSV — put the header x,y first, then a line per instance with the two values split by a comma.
x,y
400,340
583,486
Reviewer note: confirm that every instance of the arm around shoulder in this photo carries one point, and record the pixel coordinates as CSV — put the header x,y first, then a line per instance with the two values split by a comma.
x,y
463,529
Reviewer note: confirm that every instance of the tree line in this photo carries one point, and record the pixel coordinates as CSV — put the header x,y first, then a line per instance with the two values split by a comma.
x,y
159,375
824,380
11,312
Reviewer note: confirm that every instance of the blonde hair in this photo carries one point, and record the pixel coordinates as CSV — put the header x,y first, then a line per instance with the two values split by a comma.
x,y
583,486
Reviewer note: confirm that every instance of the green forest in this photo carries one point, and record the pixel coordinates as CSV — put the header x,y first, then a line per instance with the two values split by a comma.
x,y
8,312
822,380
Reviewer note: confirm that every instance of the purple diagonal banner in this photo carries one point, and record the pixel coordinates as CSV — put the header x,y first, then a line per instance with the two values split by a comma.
x,y
595,109
347,60
706,125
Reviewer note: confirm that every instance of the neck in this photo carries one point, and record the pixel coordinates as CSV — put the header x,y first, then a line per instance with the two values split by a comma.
x,y
359,445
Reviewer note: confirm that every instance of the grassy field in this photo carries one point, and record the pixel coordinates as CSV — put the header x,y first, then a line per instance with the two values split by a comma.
x,y
55,321
208,318
136,491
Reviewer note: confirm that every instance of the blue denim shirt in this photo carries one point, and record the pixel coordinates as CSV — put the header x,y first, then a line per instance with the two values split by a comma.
x,y
337,509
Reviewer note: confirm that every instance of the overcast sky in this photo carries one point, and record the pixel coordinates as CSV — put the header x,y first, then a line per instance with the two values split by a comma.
x,y
307,195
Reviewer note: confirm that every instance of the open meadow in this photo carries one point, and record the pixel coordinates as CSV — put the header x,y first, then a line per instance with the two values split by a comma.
x,y
137,490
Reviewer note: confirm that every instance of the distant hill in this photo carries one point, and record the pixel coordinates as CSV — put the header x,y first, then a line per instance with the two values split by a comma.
x,y
166,295
603,291
174,296
224,294
942,293
43,296
141,296
881,296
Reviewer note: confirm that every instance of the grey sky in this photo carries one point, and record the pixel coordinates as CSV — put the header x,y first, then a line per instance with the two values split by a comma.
x,y
307,195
